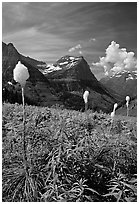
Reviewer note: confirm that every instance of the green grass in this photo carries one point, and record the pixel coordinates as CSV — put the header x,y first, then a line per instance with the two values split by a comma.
x,y
72,156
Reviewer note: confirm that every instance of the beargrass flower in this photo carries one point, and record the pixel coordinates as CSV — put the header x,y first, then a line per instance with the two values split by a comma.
x,y
85,97
21,74
127,104
113,113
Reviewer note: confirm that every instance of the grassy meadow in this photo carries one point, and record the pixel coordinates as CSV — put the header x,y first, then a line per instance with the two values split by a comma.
x,y
71,156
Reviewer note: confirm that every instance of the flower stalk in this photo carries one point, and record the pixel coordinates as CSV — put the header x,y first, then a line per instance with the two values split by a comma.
x,y
21,75
127,105
24,139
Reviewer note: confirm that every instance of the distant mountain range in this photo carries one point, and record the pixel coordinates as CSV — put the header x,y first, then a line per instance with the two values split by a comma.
x,y
61,83
124,83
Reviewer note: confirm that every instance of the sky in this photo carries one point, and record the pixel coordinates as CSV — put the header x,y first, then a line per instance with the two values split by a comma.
x,y
46,31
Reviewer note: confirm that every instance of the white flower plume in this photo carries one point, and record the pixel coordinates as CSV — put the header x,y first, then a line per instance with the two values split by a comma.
x,y
20,74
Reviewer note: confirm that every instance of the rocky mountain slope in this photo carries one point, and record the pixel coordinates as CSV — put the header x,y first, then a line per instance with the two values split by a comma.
x,y
71,76
124,83
37,91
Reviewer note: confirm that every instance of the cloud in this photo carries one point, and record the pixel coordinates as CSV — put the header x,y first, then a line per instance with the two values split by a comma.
x,y
46,30
31,42
92,39
77,47
80,52
117,59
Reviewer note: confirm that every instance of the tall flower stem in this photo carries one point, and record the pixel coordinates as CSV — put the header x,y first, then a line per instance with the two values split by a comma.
x,y
24,139
127,111
25,150
86,106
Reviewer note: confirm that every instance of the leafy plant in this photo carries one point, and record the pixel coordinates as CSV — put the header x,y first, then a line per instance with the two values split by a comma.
x,y
122,189
71,156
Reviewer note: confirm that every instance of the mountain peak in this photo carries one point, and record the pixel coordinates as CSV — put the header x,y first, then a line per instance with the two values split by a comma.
x,y
73,75
68,61
10,44
37,89
9,48
10,57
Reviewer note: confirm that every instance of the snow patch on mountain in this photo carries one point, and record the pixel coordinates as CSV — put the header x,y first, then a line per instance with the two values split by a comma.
x,y
51,68
118,75
135,72
130,75
68,62
63,63
42,65
71,58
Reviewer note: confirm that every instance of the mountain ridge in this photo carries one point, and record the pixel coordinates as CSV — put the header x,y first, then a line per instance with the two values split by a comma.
x,y
37,82
64,85
124,83
73,74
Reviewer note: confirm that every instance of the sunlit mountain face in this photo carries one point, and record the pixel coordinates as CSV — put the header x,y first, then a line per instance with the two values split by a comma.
x,y
46,31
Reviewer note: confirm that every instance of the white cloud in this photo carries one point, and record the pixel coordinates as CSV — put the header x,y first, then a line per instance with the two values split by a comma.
x,y
31,42
117,59
75,48
80,52
72,49
78,46
92,39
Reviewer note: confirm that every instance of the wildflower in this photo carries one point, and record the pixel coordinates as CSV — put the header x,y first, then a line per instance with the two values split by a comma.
x,y
10,83
127,103
85,97
21,74
113,112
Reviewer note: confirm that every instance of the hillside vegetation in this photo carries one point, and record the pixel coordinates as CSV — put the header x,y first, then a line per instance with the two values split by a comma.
x,y
72,156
